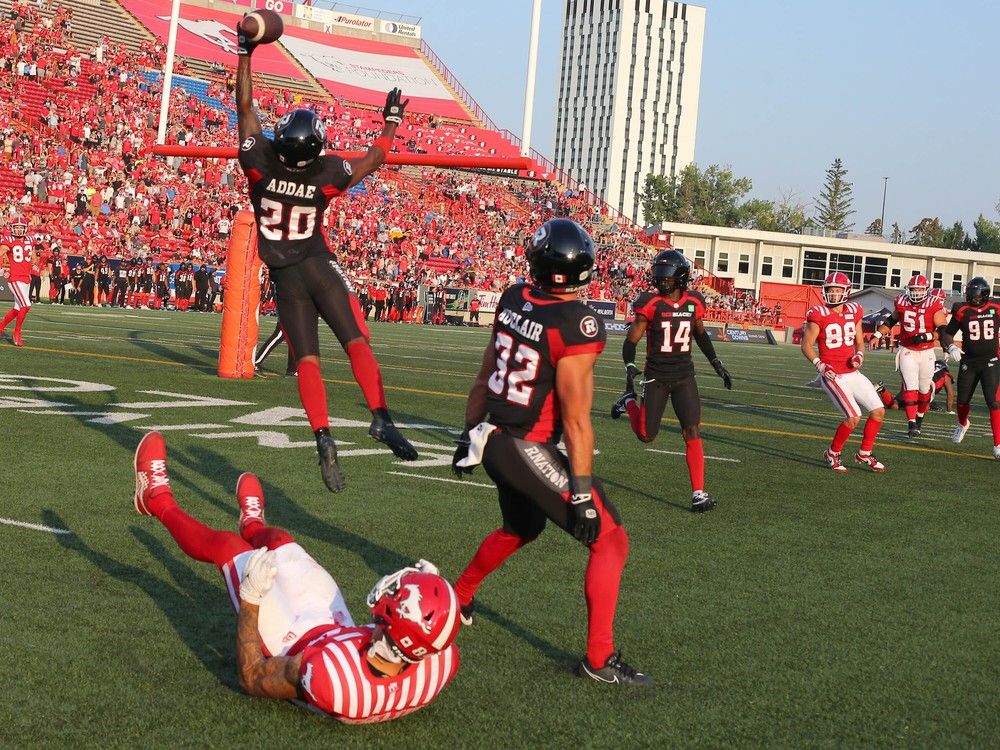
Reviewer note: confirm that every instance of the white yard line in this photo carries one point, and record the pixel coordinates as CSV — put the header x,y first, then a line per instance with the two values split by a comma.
x,y
441,479
34,526
681,453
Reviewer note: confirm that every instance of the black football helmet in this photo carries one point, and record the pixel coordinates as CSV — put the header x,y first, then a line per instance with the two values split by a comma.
x,y
671,271
561,256
299,137
977,291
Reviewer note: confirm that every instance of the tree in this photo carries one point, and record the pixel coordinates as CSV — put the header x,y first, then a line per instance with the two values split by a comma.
x,y
955,237
875,228
898,236
987,235
835,202
712,197
926,233
659,199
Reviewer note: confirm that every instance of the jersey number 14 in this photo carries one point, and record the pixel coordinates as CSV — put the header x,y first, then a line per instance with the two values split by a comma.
x,y
676,339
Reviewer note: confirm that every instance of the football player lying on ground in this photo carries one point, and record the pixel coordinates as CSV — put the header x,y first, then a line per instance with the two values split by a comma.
x,y
295,638
943,381
669,319
537,380
291,184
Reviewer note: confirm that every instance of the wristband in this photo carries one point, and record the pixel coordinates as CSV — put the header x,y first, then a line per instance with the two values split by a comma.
x,y
632,365
815,361
580,485
383,142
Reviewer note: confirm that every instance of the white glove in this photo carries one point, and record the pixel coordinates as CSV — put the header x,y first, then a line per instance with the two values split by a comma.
x,y
426,567
826,370
955,352
258,575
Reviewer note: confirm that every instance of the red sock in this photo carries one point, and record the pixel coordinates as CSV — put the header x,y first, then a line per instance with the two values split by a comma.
x,y
963,413
257,535
923,403
696,464
367,374
313,395
887,398
995,424
844,431
604,573
872,426
11,314
193,537
492,553
21,315
637,416
910,405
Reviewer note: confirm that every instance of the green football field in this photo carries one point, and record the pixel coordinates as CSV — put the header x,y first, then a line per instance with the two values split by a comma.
x,y
809,610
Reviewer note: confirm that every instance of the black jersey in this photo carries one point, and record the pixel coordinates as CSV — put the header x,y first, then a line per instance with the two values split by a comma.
x,y
669,332
104,273
979,329
121,274
289,203
533,331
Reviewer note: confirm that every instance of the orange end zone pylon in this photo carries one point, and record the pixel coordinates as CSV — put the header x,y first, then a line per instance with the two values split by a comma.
x,y
242,300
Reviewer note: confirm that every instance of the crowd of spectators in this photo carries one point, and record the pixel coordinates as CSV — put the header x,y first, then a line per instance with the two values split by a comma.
x,y
76,131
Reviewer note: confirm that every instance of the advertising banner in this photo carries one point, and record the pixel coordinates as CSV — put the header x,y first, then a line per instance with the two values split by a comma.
x,y
283,7
456,300
334,18
488,301
409,30
616,326
739,335
603,308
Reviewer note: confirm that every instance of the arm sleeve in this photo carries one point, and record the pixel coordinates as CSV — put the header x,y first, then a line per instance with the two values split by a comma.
x,y
704,342
628,352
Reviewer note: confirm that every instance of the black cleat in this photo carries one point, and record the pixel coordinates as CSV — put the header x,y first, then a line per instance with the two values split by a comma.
x,y
702,502
615,671
920,424
467,613
880,388
913,430
618,407
333,475
385,431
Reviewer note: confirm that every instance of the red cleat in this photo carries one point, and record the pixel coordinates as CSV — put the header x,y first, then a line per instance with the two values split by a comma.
x,y
150,471
833,460
870,461
250,496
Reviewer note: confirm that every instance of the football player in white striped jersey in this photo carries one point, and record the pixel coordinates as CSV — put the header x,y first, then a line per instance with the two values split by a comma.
x,y
295,638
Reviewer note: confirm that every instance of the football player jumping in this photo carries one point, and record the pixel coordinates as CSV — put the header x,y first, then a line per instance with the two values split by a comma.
x,y
295,638
17,249
670,319
978,318
834,328
919,315
291,184
535,384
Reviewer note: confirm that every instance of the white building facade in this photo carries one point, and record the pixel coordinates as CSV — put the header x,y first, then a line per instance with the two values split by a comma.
x,y
629,81
750,257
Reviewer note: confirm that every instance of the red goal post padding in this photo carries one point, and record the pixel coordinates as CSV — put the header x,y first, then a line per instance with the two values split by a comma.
x,y
240,305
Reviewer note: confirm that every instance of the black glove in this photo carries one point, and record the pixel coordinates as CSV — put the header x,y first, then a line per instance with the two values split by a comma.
x,y
588,521
394,108
462,451
630,372
722,372
243,45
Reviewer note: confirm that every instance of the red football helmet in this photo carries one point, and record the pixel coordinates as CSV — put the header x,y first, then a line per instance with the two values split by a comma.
x,y
939,294
19,229
916,290
418,610
836,280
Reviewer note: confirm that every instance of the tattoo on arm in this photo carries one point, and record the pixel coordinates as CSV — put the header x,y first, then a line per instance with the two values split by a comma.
x,y
275,677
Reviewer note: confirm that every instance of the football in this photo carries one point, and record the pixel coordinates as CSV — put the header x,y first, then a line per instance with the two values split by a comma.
x,y
262,26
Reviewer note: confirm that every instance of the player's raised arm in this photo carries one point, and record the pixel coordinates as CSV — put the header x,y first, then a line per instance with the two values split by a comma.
x,y
392,113
247,120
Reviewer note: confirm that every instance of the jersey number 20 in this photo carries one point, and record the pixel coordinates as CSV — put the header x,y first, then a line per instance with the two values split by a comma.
x,y
516,381
301,221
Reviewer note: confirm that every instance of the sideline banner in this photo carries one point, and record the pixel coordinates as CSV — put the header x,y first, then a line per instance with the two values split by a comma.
x,y
456,300
603,308
488,301
751,336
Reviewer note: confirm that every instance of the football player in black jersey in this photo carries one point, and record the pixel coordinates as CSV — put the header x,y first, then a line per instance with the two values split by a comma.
x,y
669,319
978,318
536,384
291,185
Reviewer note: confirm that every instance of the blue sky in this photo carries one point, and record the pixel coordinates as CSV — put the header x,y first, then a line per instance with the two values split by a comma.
x,y
905,89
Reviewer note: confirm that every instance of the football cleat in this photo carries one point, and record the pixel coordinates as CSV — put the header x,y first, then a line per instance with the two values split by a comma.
x,y
16,337
920,422
880,387
333,475
959,434
468,613
702,502
833,459
996,451
614,671
250,496
870,461
913,430
618,407
383,430
150,471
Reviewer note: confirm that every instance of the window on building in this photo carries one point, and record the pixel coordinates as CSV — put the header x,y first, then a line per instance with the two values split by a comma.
x,y
895,280
938,281
956,282
788,269
813,267
996,286
876,270
767,266
744,266
722,264
699,257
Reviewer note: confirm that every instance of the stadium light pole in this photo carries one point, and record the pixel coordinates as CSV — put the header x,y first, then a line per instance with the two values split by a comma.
x,y
168,72
529,87
881,222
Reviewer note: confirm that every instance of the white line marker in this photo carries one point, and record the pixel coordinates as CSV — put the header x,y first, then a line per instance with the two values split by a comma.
x,y
34,526
440,479
679,453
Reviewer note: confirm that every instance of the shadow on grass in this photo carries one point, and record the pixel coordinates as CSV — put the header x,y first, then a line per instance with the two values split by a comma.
x,y
184,606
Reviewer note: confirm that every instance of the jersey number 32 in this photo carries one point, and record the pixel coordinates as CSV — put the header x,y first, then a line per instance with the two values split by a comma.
x,y
517,380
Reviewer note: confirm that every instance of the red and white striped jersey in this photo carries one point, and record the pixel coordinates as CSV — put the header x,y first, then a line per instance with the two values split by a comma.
x,y
838,330
336,678
19,256
916,318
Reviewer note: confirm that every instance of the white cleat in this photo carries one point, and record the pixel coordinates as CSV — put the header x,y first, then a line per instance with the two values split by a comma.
x,y
959,434
996,451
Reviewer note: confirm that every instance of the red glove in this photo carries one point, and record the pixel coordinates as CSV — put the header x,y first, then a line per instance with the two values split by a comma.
x,y
826,370
857,359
